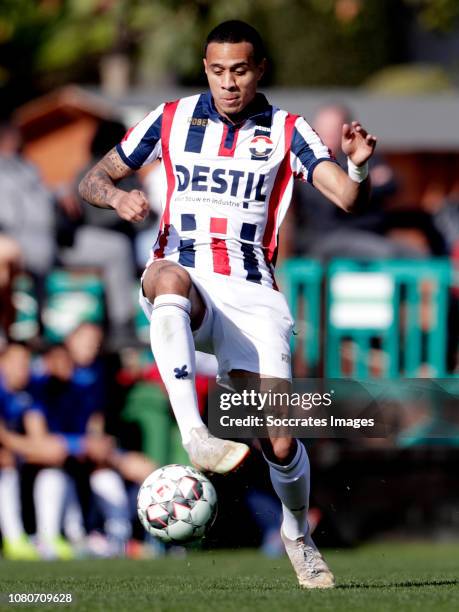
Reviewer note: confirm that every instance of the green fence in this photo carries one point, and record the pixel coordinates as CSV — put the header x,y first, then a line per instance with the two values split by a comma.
x,y
301,281
71,298
364,319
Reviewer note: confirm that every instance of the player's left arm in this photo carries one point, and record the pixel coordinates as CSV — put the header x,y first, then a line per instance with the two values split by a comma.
x,y
348,191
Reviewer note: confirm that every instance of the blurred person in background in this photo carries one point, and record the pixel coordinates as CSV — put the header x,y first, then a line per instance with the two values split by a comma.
x,y
73,399
15,400
50,229
10,264
27,206
69,411
325,231
446,218
98,239
51,488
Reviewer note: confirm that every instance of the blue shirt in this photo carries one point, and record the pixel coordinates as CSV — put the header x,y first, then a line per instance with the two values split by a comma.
x,y
13,405
68,405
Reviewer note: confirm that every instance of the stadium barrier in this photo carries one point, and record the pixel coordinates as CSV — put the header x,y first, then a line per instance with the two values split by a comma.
x,y
353,318
373,319
71,297
301,281
379,318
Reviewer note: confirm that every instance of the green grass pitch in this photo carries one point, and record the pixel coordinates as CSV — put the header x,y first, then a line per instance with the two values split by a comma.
x,y
378,577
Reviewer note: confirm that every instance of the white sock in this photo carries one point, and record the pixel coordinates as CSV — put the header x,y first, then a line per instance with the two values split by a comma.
x,y
291,483
206,364
173,348
108,485
49,494
10,504
113,502
73,523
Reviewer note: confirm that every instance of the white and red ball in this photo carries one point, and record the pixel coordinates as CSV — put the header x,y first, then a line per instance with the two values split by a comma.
x,y
176,503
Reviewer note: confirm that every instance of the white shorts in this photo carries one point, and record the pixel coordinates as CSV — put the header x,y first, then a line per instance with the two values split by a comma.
x,y
246,326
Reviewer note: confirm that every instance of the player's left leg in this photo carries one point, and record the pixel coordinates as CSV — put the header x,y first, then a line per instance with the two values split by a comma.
x,y
290,476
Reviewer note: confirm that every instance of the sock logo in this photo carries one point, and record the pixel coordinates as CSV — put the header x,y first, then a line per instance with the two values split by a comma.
x,y
181,372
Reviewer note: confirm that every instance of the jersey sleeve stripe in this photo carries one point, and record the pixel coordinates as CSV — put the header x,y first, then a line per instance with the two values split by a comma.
x,y
316,163
125,158
141,141
284,175
302,150
307,149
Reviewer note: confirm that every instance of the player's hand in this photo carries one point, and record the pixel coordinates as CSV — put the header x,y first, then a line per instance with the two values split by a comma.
x,y
357,143
132,205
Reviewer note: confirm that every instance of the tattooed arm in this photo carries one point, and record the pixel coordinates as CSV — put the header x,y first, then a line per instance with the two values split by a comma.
x,y
98,188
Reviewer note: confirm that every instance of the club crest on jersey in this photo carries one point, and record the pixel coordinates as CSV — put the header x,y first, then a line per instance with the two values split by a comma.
x,y
261,146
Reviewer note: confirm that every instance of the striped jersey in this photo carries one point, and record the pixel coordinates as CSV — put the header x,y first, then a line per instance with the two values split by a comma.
x,y
225,187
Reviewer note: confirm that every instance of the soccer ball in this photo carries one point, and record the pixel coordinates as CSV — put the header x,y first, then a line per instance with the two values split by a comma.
x,y
176,503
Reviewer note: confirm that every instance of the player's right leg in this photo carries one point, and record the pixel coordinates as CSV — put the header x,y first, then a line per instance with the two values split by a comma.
x,y
176,310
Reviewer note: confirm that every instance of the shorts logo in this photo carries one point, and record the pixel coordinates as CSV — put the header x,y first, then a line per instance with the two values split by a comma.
x,y
261,146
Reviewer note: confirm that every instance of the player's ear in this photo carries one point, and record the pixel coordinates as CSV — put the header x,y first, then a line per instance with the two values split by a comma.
x,y
204,61
261,68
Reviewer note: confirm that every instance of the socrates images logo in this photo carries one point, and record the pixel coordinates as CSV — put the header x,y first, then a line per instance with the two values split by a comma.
x,y
261,146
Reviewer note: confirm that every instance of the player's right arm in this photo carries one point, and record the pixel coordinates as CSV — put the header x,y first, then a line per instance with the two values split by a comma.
x,y
98,187
141,145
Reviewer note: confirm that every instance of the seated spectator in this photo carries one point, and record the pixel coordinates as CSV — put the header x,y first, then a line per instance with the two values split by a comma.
x,y
14,402
83,345
69,400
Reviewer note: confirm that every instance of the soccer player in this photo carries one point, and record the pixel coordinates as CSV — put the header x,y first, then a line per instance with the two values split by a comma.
x,y
228,160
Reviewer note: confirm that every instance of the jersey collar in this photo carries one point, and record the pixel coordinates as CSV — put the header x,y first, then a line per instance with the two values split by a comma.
x,y
258,108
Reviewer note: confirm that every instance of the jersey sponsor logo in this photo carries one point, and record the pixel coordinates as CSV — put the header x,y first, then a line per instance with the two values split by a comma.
x,y
238,183
203,121
261,146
